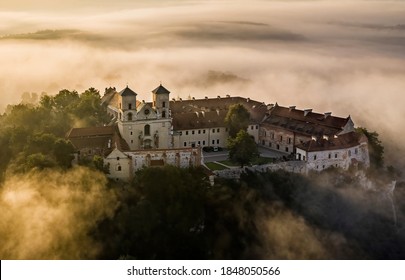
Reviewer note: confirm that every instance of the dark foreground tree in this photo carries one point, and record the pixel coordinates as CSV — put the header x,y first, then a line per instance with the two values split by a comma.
x,y
376,149
162,216
237,119
242,148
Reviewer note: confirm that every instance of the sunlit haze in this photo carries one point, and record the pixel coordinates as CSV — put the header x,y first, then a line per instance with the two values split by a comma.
x,y
344,57
341,56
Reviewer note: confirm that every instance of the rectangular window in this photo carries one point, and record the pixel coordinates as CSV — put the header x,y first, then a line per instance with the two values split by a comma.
x,y
281,138
186,132
204,142
269,144
199,143
181,133
132,141
217,129
278,147
335,155
192,132
217,141
131,132
163,104
185,144
314,157
251,127
203,131
199,131
286,149
356,151
257,127
289,140
213,130
330,155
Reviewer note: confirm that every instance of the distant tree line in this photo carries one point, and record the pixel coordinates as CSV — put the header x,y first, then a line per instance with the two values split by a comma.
x,y
32,133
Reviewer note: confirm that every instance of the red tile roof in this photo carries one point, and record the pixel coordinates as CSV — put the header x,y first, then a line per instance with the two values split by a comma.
x,y
343,141
305,122
211,112
97,137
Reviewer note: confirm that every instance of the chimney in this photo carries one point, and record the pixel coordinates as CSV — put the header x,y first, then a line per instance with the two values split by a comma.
x,y
193,98
174,99
328,114
206,97
228,96
247,99
291,108
219,97
307,111
143,101
314,138
180,99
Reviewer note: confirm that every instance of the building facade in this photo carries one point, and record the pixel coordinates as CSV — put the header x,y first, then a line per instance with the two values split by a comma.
x,y
341,151
170,131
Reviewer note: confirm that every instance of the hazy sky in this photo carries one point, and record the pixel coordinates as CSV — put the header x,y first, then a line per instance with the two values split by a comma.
x,y
347,57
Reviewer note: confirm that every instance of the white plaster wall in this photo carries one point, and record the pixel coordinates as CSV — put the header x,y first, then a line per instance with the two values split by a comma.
x,y
211,134
117,158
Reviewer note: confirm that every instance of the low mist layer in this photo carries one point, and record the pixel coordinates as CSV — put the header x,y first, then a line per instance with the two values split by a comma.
x,y
339,56
50,214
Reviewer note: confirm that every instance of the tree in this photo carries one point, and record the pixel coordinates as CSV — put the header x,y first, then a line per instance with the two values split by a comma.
x,y
237,119
66,100
63,152
166,218
242,148
375,147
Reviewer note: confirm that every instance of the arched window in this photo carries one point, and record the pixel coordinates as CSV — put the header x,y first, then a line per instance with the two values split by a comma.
x,y
164,114
118,168
130,116
147,130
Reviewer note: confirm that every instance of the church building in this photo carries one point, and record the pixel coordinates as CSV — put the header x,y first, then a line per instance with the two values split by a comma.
x,y
174,131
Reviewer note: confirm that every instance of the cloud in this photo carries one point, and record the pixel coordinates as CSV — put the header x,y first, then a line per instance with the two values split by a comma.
x,y
51,35
49,215
304,53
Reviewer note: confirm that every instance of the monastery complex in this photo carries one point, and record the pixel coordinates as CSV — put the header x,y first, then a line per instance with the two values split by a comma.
x,y
169,131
